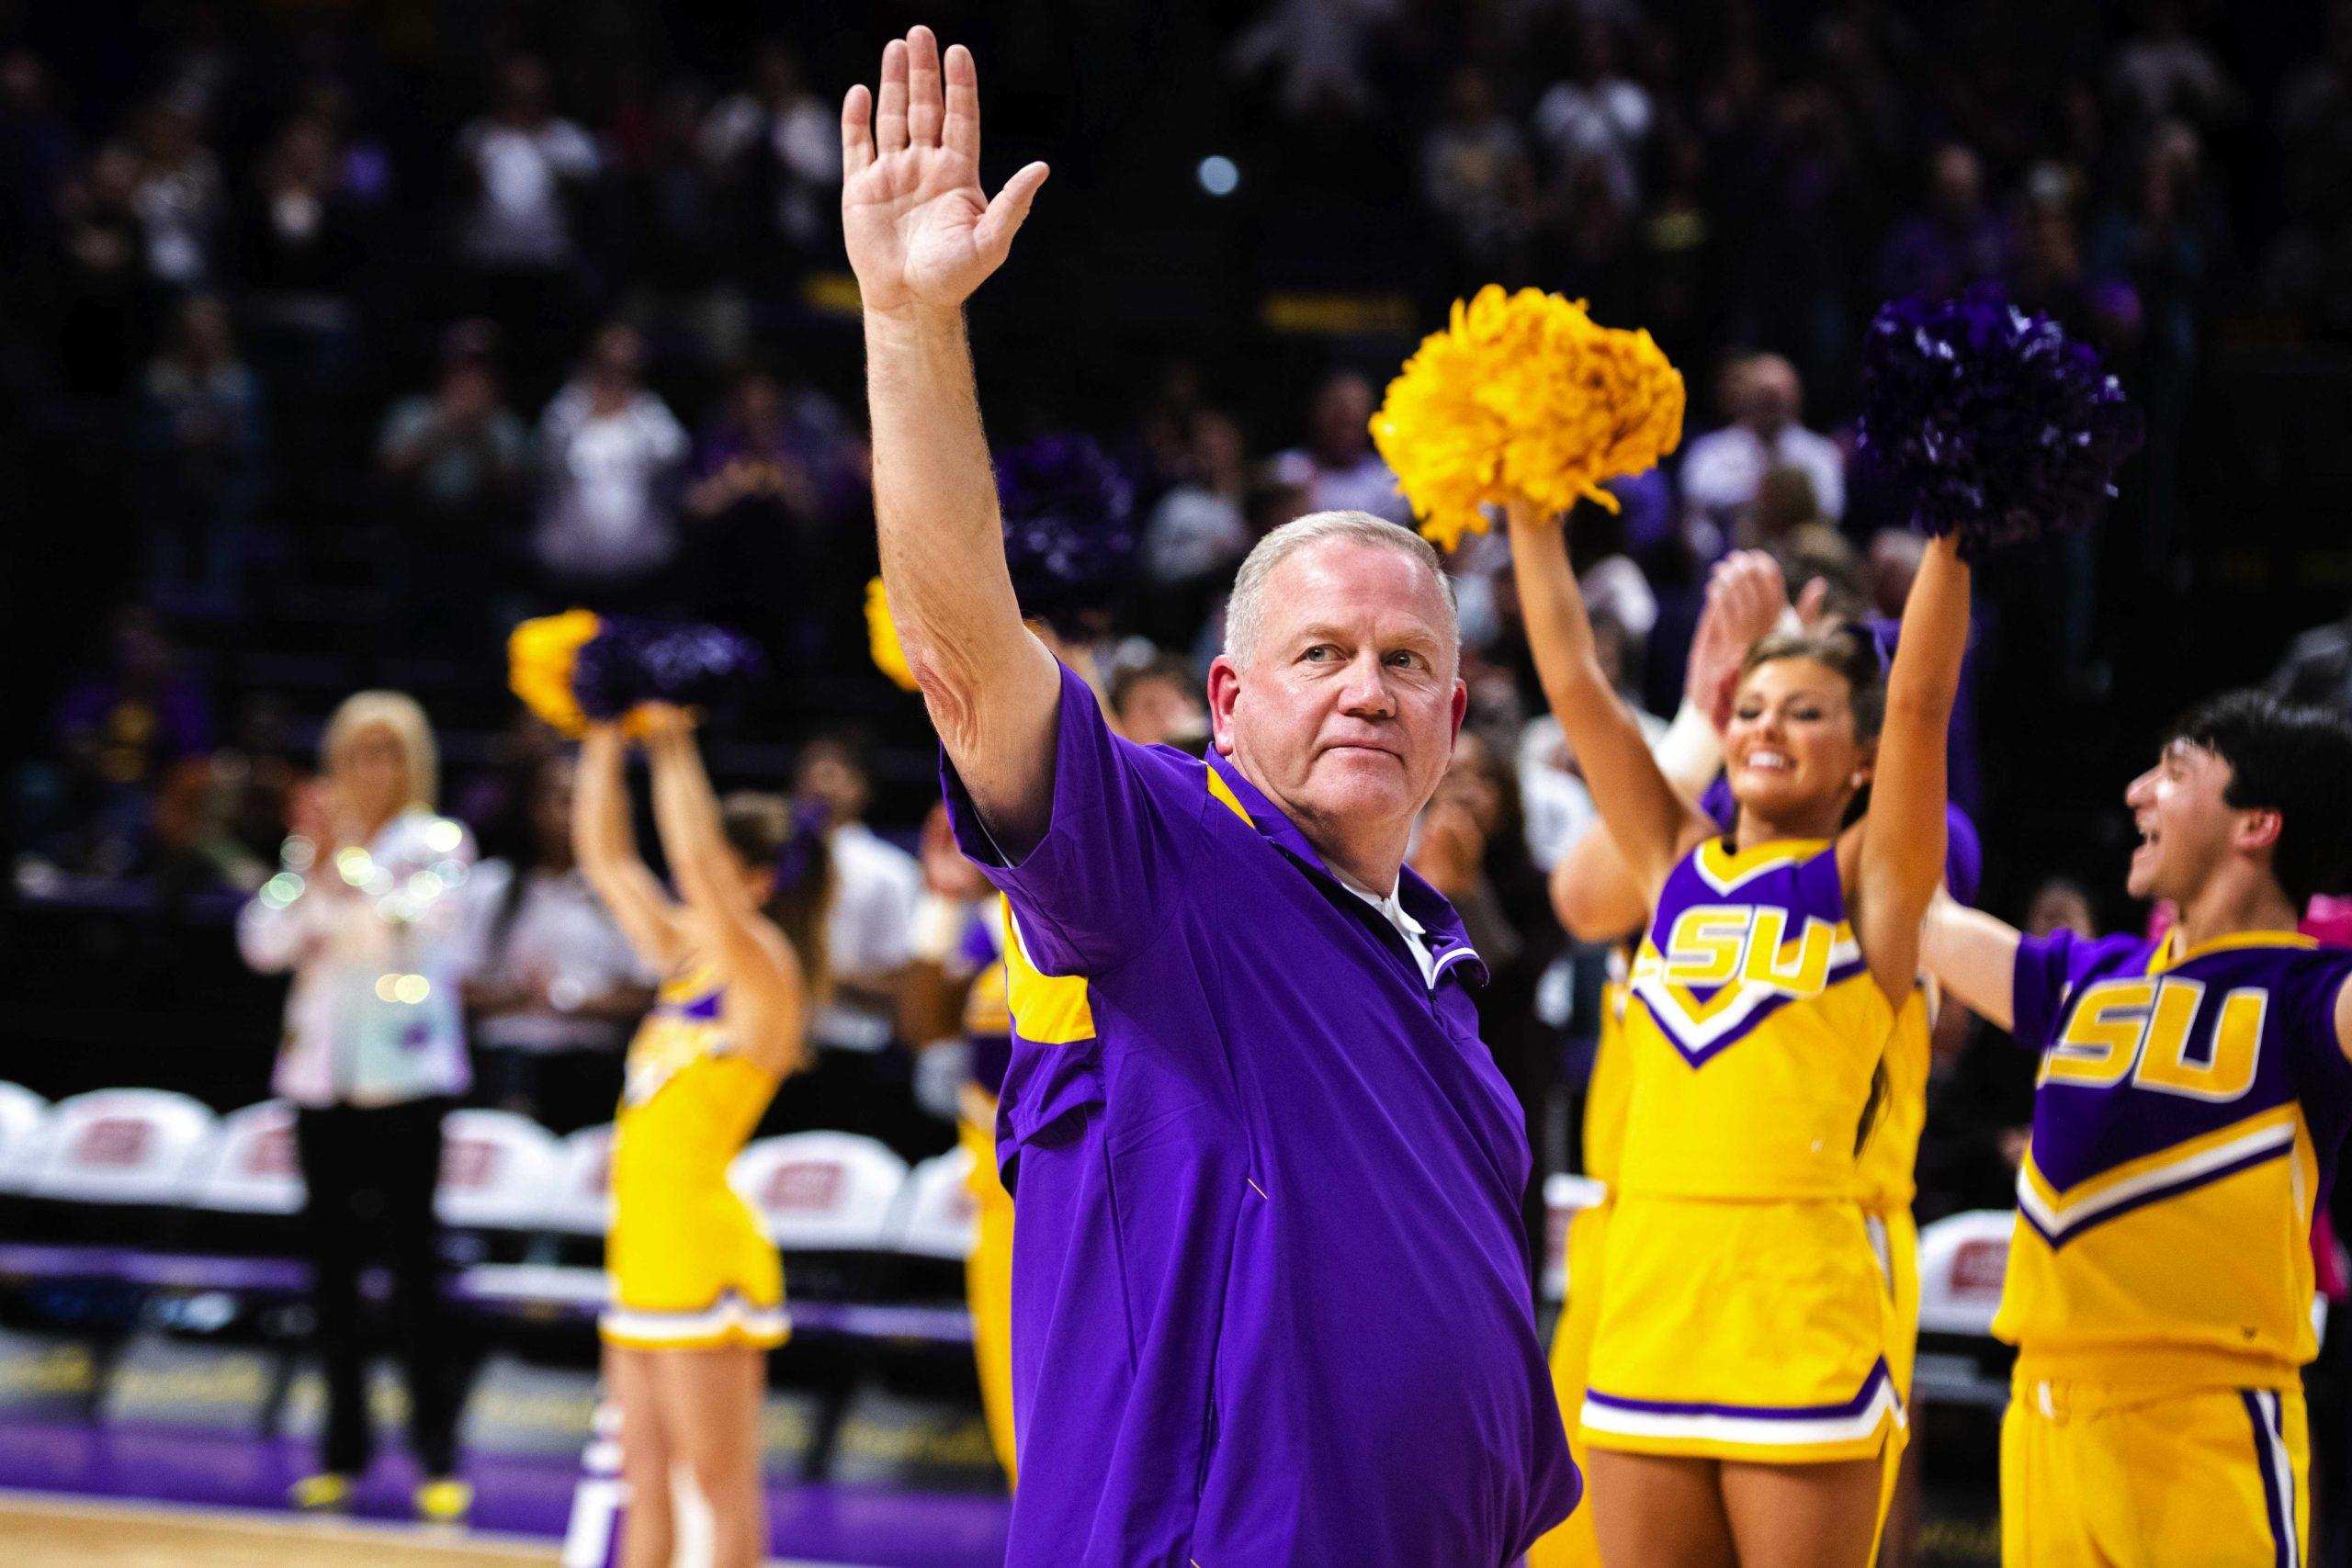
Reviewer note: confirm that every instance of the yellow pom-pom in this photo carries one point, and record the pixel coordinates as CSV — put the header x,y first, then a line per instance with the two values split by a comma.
x,y
882,638
539,659
1525,394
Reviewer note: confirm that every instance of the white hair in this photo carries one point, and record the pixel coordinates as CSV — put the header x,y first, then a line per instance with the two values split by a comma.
x,y
400,713
1245,611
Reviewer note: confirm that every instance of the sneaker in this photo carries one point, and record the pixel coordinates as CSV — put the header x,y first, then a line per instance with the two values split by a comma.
x,y
444,1500
328,1492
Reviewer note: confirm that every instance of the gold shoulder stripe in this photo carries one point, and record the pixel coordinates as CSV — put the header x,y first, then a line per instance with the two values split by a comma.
x,y
1047,1010
1224,791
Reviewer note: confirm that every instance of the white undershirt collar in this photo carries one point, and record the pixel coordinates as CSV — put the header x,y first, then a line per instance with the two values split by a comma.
x,y
1392,909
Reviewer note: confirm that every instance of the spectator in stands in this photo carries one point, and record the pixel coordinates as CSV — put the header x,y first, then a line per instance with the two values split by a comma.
x,y
523,174
1956,241
102,280
1338,469
863,1080
302,246
119,730
196,848
1198,531
554,989
1477,178
672,232
757,505
179,197
1159,450
1826,579
609,453
2051,274
204,446
456,452
777,148
1612,584
454,460
1723,470
365,915
1597,114
257,775
2163,73
1784,504
1159,703
1317,50
2168,237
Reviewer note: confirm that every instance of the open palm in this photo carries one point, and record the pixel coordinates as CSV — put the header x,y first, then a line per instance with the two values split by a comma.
x,y
921,233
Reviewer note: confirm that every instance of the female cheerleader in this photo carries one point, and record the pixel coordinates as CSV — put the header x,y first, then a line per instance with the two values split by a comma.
x,y
697,1290
1739,1405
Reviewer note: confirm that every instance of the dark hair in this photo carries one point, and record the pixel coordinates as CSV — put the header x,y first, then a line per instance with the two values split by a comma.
x,y
1849,650
763,832
2288,758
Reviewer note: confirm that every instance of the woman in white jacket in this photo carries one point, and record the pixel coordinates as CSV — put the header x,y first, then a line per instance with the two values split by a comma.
x,y
372,1056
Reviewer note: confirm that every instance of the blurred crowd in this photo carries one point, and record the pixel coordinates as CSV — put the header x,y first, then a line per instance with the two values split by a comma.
x,y
359,337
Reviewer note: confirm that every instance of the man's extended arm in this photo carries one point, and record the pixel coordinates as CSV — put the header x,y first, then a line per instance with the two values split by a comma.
x,y
922,236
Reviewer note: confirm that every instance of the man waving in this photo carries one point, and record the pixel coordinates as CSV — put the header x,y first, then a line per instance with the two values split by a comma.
x,y
1268,1299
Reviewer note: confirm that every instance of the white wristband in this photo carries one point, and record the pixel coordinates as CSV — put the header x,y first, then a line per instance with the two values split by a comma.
x,y
1690,753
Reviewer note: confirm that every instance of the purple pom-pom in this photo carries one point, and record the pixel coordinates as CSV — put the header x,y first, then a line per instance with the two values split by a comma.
x,y
1991,423
1070,533
631,661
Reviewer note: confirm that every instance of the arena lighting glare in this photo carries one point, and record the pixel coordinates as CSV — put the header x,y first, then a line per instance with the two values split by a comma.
x,y
1218,175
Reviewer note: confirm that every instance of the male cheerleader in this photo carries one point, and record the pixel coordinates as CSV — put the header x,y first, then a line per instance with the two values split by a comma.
x,y
2192,1096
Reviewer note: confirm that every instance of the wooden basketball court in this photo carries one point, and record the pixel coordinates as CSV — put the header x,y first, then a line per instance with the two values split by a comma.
x,y
39,1531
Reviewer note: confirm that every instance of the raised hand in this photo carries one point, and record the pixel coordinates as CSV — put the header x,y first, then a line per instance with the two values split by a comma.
x,y
921,233
1746,595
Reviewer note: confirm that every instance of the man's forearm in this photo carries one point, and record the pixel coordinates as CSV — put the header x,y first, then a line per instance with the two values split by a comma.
x,y
934,500
991,686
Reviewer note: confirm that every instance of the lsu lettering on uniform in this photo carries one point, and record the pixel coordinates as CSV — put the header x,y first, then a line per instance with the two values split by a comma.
x,y
1746,1312
987,1269
690,1267
1571,1543
2185,1121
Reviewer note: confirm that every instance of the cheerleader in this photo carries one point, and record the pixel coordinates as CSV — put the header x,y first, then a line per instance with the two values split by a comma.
x,y
696,1287
1590,893
1739,1404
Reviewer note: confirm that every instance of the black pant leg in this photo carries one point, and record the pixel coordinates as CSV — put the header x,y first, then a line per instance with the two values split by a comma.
x,y
422,1326
331,1143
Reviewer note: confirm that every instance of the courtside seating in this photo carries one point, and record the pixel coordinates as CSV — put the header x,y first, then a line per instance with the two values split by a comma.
x,y
113,1167
828,1200
245,1185
581,1204
1962,1259
933,1230
24,1117
498,1173
936,1210
250,1165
